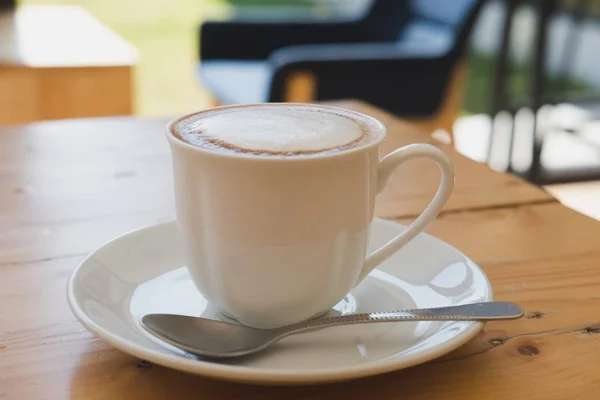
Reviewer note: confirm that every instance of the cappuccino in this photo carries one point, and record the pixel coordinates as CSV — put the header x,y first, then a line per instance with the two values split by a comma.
x,y
284,130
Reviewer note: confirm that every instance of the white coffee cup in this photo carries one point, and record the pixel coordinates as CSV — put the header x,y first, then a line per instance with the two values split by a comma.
x,y
272,241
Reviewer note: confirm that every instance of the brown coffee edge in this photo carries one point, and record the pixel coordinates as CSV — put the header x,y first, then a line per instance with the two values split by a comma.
x,y
230,148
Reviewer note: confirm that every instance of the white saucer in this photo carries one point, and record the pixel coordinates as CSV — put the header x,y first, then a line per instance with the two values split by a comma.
x,y
142,272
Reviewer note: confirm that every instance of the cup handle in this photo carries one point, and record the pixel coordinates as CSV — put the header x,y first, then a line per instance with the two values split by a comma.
x,y
386,166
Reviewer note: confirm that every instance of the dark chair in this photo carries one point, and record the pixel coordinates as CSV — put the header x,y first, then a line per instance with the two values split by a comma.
x,y
401,55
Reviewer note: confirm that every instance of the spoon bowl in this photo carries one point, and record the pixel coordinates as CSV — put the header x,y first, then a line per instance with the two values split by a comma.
x,y
218,339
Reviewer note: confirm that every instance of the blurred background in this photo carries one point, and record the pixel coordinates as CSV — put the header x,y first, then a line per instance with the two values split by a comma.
x,y
512,83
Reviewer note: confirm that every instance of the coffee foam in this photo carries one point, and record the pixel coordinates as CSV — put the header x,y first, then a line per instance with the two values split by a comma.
x,y
271,130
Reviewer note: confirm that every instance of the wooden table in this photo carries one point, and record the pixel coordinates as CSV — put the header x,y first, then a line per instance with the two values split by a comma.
x,y
68,186
60,62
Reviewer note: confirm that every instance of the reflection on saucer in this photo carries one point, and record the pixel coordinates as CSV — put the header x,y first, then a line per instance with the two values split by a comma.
x,y
142,272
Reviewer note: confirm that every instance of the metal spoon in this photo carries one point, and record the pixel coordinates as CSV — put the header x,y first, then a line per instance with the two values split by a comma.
x,y
217,339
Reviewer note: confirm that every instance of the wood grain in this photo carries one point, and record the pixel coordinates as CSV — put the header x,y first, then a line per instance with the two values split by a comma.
x,y
73,67
55,200
31,94
112,157
554,348
413,185
84,92
18,95
68,186
517,232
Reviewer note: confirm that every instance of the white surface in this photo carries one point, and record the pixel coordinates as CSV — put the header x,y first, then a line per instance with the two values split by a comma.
x,y
60,36
272,129
583,197
274,240
141,272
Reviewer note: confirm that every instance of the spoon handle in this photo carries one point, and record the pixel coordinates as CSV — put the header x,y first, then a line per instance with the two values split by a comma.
x,y
487,311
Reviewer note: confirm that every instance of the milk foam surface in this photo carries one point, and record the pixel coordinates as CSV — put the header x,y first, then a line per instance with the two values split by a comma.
x,y
271,130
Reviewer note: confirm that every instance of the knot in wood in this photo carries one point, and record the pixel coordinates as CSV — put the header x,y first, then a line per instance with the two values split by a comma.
x,y
529,350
